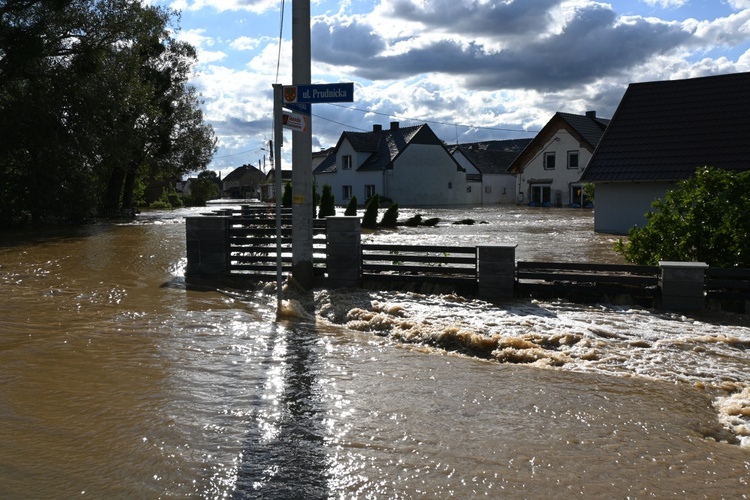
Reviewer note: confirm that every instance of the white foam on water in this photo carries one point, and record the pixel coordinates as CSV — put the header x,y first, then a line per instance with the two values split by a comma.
x,y
620,341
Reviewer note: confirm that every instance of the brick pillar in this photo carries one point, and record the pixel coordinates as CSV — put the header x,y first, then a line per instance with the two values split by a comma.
x,y
496,269
344,252
682,285
207,241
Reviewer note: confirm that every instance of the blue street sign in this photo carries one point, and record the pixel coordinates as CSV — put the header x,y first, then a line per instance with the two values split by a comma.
x,y
327,92
298,107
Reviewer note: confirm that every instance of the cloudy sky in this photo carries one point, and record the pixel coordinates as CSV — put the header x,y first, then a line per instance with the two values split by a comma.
x,y
472,69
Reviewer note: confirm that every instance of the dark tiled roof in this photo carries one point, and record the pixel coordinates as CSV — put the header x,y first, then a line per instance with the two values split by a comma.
x,y
492,157
663,131
243,170
384,146
590,127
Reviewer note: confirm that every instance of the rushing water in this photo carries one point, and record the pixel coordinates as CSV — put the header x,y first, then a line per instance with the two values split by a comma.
x,y
117,380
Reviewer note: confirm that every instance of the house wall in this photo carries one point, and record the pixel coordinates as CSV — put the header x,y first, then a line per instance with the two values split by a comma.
x,y
622,205
561,177
356,179
498,188
426,175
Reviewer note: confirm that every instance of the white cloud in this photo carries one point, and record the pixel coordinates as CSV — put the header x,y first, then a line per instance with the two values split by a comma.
x,y
665,4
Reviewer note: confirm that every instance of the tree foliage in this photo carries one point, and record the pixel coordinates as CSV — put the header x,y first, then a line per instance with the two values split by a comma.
x,y
706,219
94,101
286,197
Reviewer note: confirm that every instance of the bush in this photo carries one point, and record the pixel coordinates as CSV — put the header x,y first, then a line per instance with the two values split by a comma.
x,y
370,219
706,219
390,217
327,203
351,207
286,198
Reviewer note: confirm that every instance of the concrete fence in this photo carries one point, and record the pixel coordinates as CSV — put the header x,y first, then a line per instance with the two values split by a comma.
x,y
681,285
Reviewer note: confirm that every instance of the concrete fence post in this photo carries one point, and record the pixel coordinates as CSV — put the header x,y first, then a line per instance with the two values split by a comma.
x,y
496,270
682,285
207,241
344,252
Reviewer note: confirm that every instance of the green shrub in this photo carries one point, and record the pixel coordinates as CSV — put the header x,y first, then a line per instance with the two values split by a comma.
x,y
351,207
370,219
390,217
327,203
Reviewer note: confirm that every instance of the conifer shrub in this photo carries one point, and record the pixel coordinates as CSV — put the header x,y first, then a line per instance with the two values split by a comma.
x,y
390,217
370,219
351,207
327,203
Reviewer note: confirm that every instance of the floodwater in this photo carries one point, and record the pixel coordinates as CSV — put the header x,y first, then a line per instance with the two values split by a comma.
x,y
118,380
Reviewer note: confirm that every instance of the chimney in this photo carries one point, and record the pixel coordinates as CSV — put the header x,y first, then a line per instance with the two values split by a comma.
x,y
591,114
394,125
376,127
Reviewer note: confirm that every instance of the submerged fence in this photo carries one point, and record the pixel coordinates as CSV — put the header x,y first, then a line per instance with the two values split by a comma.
x,y
244,243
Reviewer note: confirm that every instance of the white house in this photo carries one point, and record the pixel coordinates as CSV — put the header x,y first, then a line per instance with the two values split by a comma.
x,y
408,165
548,170
486,163
660,134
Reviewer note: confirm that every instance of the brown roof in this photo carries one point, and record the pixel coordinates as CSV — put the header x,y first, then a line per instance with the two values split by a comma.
x,y
664,131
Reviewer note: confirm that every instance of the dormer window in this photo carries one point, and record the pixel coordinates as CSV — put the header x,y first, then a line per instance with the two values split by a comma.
x,y
549,160
572,159
346,162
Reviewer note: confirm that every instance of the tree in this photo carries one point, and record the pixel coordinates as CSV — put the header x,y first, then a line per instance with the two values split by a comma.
x,y
204,188
706,219
370,219
327,203
94,102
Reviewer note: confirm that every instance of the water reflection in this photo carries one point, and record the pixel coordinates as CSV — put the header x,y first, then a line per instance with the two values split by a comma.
x,y
284,454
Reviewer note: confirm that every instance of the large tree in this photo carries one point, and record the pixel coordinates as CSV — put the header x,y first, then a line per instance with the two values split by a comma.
x,y
706,219
94,98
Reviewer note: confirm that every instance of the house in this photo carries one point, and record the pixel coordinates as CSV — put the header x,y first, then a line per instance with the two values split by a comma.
x,y
408,165
242,183
660,134
548,170
486,164
268,186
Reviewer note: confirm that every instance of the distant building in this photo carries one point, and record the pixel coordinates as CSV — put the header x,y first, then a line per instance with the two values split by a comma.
x,y
486,163
548,171
408,165
660,134
243,183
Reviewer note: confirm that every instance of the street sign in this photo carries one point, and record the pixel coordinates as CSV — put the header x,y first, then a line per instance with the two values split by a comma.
x,y
326,92
294,121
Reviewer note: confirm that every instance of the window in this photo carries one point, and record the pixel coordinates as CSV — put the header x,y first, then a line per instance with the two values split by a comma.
x,y
572,159
450,185
468,189
369,191
549,160
578,198
487,189
541,195
346,162
346,192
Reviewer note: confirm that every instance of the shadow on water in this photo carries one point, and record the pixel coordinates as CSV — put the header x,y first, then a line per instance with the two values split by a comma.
x,y
284,456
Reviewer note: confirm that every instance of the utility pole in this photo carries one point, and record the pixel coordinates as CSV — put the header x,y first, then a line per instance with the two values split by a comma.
x,y
302,178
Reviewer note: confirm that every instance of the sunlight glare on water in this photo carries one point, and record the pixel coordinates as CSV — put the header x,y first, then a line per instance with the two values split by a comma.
x,y
118,379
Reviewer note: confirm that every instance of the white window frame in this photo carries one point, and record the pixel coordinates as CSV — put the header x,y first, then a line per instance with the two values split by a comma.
x,y
346,162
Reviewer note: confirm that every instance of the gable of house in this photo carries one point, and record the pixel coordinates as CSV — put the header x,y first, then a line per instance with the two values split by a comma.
x,y
665,130
586,129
